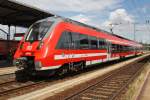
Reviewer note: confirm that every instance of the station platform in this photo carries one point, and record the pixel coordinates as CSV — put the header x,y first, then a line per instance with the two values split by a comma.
x,y
7,70
6,67
144,94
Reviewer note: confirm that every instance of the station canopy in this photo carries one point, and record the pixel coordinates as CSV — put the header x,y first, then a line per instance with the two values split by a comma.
x,y
19,14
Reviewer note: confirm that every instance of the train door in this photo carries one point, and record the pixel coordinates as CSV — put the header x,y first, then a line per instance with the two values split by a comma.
x,y
108,50
70,44
67,40
71,54
64,45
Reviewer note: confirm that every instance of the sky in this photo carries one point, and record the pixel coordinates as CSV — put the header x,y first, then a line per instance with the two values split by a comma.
x,y
120,15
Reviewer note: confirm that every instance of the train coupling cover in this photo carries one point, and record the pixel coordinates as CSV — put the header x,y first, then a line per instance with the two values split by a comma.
x,y
20,63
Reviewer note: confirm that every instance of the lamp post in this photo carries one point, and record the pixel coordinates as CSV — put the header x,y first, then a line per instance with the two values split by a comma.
x,y
134,30
148,23
112,26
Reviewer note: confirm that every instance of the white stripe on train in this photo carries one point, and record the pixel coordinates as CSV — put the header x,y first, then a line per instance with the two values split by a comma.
x,y
66,56
82,55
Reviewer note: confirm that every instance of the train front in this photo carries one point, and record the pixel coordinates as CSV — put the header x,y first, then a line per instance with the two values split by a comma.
x,y
33,48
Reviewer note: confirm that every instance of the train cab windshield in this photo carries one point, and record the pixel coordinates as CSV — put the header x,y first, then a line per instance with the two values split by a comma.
x,y
38,31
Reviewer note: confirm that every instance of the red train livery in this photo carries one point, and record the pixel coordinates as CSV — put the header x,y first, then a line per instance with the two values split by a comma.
x,y
60,45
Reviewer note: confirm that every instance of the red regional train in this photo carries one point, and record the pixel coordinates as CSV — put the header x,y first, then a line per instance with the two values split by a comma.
x,y
56,45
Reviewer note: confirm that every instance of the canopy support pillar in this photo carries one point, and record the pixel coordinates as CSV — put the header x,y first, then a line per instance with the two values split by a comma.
x,y
8,35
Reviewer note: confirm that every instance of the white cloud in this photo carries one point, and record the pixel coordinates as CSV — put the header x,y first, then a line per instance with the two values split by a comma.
x,y
72,5
120,20
125,26
119,16
84,19
81,18
89,20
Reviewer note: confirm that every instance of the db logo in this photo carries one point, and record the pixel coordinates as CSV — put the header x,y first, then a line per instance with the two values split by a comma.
x,y
29,47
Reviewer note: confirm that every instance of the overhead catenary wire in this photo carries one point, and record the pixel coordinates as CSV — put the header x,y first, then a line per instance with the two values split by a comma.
x,y
141,15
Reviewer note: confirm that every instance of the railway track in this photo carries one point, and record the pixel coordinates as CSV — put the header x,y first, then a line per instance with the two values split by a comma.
x,y
7,75
14,88
11,86
7,78
112,86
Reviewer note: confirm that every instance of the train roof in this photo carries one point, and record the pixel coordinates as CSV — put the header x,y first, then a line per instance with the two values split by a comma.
x,y
109,36
114,36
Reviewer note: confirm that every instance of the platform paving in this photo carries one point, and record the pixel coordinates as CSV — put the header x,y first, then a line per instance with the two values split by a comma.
x,y
7,70
6,67
145,92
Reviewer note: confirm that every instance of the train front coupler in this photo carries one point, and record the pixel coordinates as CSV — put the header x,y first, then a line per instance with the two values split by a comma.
x,y
21,63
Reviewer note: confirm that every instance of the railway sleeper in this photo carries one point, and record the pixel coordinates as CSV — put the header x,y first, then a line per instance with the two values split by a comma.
x,y
112,84
110,87
117,82
84,98
104,89
94,96
120,79
101,92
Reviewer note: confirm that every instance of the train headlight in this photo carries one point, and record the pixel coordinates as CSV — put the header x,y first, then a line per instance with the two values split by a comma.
x,y
40,45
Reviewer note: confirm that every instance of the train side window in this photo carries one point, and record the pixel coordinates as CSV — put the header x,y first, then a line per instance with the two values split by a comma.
x,y
102,44
84,42
93,42
121,48
125,49
64,41
114,48
118,48
105,44
75,40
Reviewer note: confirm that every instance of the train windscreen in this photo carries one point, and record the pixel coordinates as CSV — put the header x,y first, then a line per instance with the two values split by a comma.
x,y
38,31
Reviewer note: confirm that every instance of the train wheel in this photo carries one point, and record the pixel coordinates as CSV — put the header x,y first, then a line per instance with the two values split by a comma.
x,y
21,75
63,70
82,65
78,66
